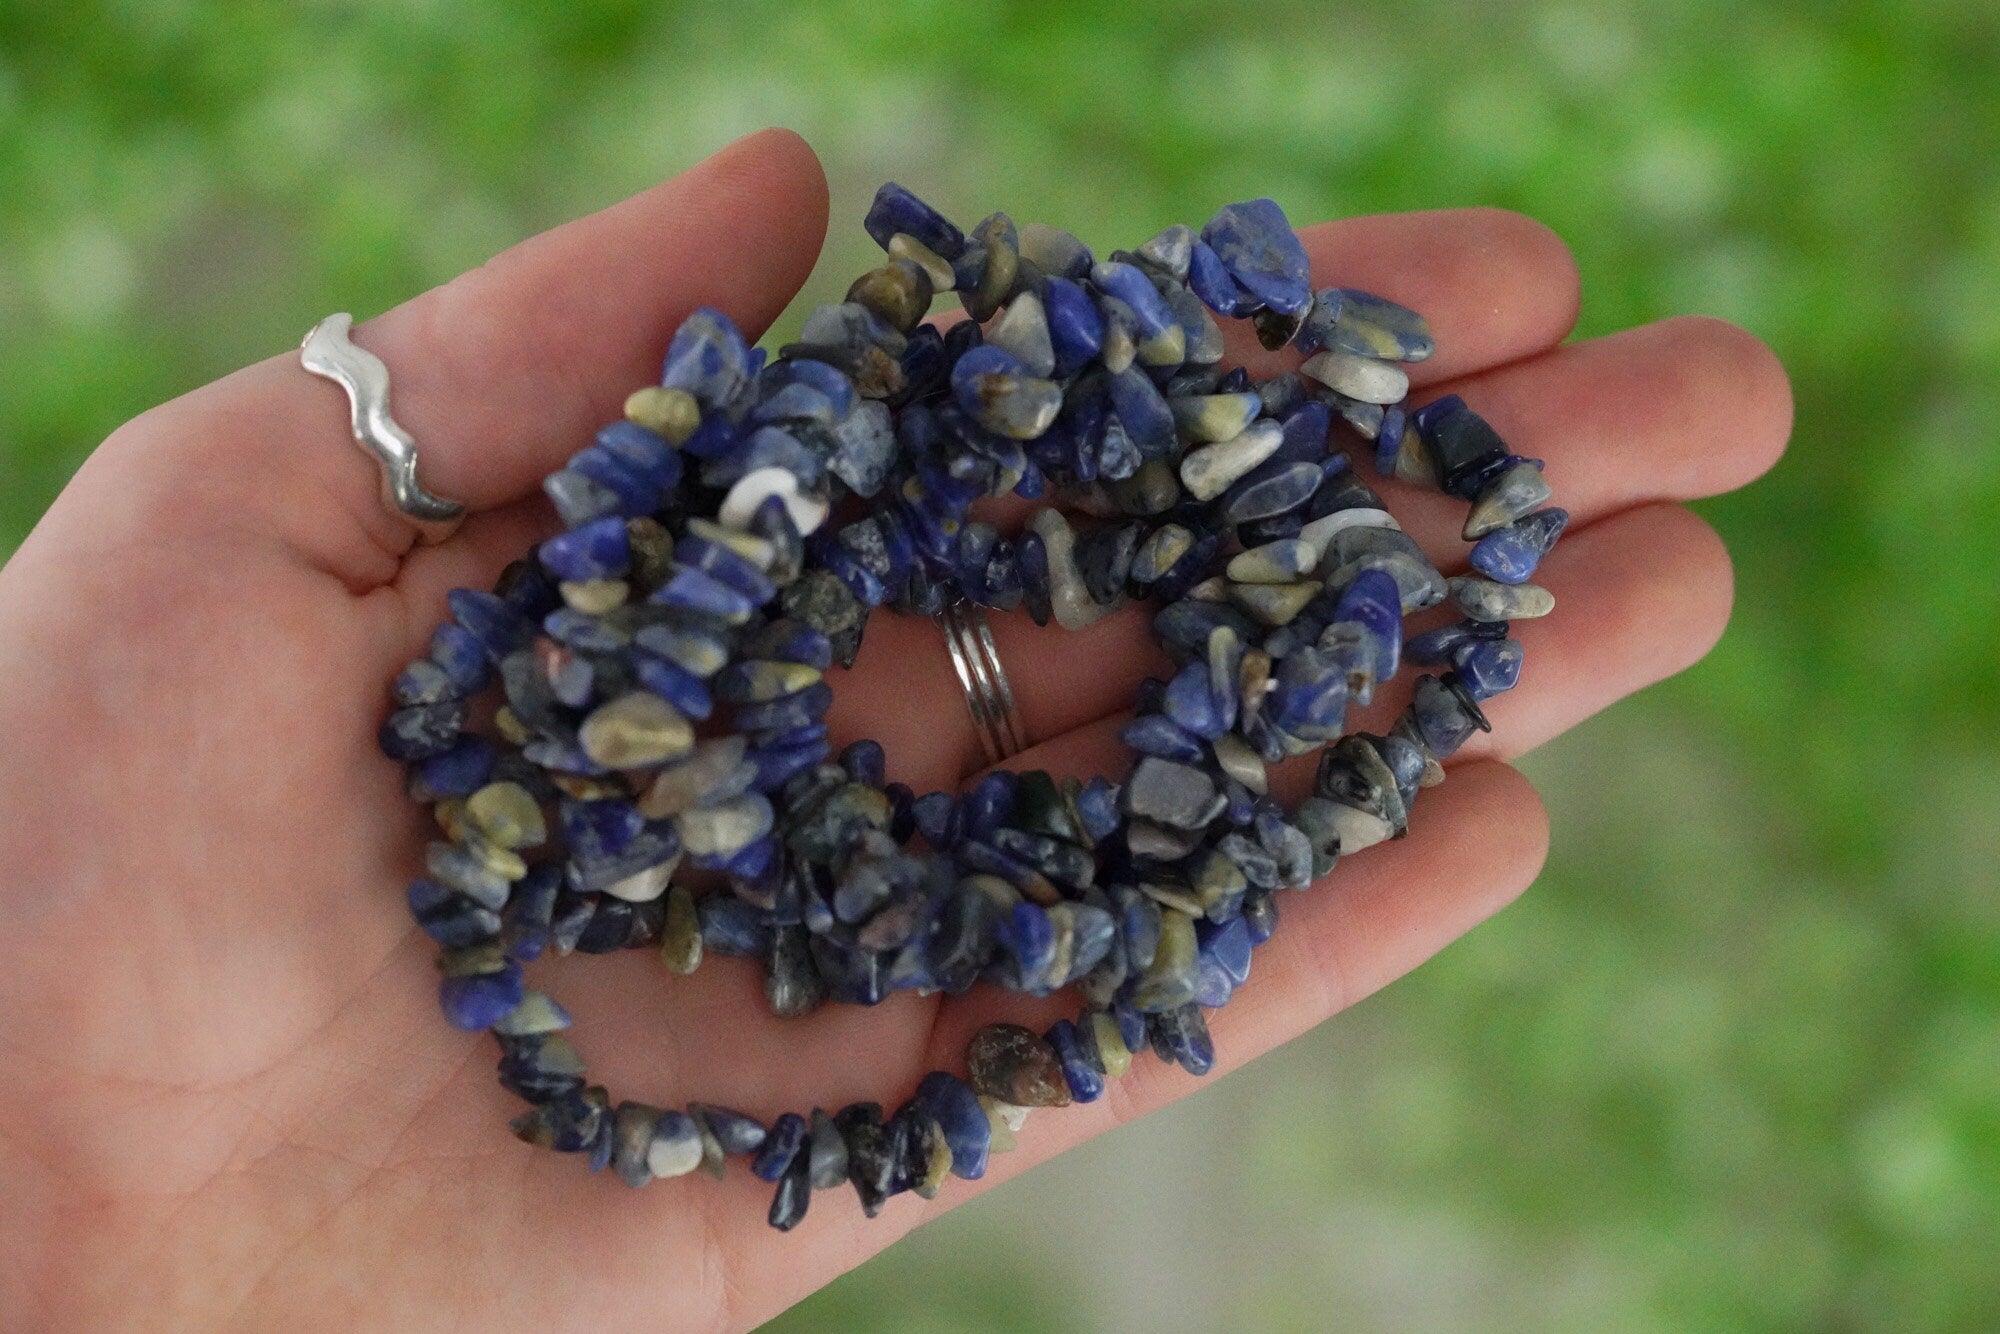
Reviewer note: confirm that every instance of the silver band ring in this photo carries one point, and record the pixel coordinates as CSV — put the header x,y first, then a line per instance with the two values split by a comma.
x,y
328,352
987,694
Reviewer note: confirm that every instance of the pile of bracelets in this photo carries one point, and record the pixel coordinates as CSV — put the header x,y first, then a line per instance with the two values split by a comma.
x,y
659,772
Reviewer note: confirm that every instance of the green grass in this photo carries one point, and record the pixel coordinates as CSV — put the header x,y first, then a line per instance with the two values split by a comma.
x,y
1736,1061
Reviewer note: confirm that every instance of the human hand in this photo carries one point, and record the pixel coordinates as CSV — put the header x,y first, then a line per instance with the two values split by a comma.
x,y
229,1097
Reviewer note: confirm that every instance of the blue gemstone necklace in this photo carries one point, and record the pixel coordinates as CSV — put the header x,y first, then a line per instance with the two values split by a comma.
x,y
662,664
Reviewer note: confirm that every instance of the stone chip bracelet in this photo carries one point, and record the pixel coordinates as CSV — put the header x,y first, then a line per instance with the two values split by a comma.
x,y
662,667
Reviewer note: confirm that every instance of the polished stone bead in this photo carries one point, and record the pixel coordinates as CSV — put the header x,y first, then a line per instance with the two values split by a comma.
x,y
576,1122
507,815
993,388
1510,554
826,1152
1355,774
793,1196
1488,666
1457,441
1135,291
1395,553
481,1000
1186,625
750,494
1181,1035
640,478
786,1138
943,273
1212,283
708,358
895,210
1486,600
927,1155
1260,911
729,926
792,985
1084,1083
1209,418
1106,1043
1406,761
1308,700
864,448
632,1141
1387,433
461,655
579,498
1027,934
1159,553
597,550
1075,326
1373,601
1168,250
1097,808
733,1132
1154,734
678,687
697,591
1210,470
822,601
755,682
481,873
1443,644
1320,532
1009,1062
635,730
1194,701
899,293
714,834
1361,378
1275,488
540,1067
1369,326
1055,252
1143,412
990,266
423,682
1170,979
1274,604
422,731
531,911
680,932
676,1146
1201,338
1517,490
1069,597
1444,716
871,1160
457,772
1262,253
1022,331
450,918
951,1103
1104,560
723,555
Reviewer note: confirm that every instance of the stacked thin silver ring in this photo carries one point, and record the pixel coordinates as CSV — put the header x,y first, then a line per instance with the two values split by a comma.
x,y
987,694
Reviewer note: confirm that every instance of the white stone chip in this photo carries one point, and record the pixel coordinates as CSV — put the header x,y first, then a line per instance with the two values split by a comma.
x,y
1362,378
758,485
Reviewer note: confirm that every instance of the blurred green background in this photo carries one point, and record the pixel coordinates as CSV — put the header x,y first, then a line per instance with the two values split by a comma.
x,y
1735,1061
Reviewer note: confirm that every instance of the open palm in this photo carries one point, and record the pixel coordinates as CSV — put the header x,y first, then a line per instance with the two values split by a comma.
x,y
228,1094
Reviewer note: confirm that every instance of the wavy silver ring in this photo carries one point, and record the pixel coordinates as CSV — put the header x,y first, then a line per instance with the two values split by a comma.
x,y
328,352
987,694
